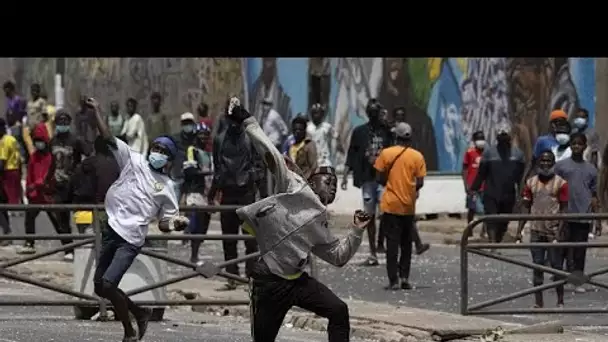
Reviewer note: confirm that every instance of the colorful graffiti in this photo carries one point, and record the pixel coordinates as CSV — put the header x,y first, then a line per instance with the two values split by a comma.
x,y
446,99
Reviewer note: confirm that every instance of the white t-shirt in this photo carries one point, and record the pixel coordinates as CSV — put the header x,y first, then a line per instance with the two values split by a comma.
x,y
323,136
138,197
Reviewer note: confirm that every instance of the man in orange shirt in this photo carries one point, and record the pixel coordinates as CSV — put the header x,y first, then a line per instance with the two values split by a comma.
x,y
404,169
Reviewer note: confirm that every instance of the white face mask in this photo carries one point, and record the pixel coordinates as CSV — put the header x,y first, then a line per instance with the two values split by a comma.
x,y
562,138
580,122
480,144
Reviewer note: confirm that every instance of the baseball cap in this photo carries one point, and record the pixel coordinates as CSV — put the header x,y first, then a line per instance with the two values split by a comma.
x,y
503,128
558,114
187,116
168,143
402,130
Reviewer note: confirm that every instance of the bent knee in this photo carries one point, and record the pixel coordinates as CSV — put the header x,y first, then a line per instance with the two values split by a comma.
x,y
103,288
339,310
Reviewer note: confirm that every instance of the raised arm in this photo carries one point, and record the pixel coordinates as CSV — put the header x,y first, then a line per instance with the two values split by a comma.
x,y
120,149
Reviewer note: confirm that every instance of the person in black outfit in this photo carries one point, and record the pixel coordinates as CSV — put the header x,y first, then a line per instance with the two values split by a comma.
x,y
185,138
238,173
94,176
68,151
501,168
366,142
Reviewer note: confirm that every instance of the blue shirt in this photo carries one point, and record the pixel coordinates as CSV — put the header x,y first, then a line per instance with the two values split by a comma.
x,y
544,143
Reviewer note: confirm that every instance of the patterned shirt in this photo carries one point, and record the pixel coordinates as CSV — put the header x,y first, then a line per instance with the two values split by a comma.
x,y
376,144
546,198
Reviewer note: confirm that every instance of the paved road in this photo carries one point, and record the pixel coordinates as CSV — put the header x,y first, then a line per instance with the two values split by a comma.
x,y
436,277
46,324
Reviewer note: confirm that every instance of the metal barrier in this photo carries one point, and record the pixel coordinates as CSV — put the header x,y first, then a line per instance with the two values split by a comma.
x,y
84,239
477,248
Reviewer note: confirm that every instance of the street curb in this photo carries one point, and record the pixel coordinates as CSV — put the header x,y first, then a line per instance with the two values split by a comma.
x,y
361,328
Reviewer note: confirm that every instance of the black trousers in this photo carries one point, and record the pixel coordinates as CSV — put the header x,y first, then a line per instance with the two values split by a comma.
x,y
577,232
30,227
398,230
230,225
497,230
272,297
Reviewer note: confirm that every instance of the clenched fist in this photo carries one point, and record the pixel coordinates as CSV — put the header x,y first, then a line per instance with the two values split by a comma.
x,y
361,219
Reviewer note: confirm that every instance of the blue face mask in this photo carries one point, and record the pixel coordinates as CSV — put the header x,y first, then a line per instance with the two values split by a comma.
x,y
157,160
62,128
580,122
188,128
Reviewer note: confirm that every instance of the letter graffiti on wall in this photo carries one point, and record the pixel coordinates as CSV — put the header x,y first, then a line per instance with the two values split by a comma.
x,y
447,99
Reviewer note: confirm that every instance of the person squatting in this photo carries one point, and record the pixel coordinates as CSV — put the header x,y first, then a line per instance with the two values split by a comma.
x,y
142,193
288,226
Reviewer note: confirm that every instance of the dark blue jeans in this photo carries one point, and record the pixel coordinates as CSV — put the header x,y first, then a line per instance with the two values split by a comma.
x,y
116,257
540,255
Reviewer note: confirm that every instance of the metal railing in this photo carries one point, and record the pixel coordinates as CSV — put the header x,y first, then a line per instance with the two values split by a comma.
x,y
206,270
563,276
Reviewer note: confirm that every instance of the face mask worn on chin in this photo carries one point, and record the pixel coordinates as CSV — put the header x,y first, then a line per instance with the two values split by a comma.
x,y
40,145
62,128
580,122
546,172
157,160
562,138
480,144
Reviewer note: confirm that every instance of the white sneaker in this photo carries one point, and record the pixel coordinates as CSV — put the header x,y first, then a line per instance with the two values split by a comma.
x,y
26,249
591,236
580,289
68,257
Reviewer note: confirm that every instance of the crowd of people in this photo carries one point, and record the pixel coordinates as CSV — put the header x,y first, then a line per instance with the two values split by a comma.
x,y
562,177
63,159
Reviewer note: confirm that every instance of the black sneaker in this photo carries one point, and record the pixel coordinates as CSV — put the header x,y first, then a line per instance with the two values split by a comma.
x,y
381,249
130,339
142,322
405,285
392,287
425,247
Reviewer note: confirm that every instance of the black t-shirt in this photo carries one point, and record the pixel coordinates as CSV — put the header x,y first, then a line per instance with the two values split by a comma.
x,y
67,152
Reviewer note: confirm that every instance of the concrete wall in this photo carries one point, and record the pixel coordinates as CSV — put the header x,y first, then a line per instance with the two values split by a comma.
x,y
183,82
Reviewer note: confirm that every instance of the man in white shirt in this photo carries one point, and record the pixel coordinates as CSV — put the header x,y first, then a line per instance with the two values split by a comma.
x,y
142,193
272,124
322,133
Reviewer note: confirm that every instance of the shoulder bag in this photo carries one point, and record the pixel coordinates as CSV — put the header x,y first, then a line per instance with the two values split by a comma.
x,y
382,177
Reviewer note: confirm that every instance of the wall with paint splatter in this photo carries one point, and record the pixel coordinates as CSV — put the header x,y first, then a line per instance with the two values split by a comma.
x,y
447,99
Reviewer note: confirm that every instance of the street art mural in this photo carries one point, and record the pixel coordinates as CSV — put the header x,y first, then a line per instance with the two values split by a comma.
x,y
284,81
447,99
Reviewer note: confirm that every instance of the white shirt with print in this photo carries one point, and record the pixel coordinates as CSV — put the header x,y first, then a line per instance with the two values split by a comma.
x,y
138,197
323,136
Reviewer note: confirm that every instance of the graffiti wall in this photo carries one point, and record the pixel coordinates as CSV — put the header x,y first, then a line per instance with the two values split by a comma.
x,y
446,99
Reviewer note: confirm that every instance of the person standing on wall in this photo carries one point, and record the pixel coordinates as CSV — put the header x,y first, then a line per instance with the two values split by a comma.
x,y
134,129
157,123
402,169
366,142
500,169
582,190
470,165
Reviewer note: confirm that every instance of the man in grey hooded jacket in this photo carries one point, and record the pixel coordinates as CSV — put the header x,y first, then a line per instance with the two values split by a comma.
x,y
289,226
